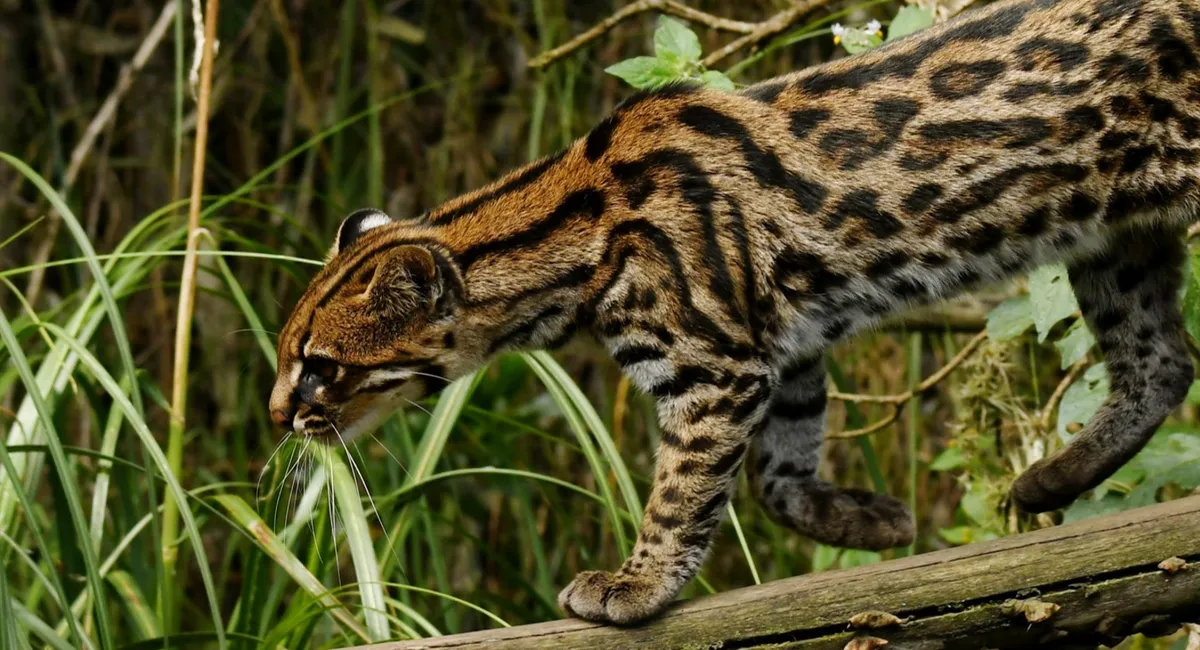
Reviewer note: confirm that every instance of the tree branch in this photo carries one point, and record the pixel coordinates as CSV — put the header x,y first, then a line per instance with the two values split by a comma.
x,y
753,32
1075,586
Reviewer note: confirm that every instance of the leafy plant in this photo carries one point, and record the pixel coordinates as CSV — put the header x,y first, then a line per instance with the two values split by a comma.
x,y
676,58
909,19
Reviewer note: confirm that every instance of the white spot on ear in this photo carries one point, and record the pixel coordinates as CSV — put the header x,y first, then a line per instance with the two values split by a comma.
x,y
356,224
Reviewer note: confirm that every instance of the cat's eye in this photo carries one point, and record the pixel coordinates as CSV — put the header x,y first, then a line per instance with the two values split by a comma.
x,y
321,367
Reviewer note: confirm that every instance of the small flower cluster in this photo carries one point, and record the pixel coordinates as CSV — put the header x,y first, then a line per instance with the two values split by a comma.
x,y
873,27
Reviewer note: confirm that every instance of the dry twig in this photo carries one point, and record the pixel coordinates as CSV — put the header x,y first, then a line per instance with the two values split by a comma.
x,y
1056,396
753,33
900,399
187,288
766,29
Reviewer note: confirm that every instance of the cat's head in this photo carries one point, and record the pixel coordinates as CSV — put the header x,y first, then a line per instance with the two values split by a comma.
x,y
374,330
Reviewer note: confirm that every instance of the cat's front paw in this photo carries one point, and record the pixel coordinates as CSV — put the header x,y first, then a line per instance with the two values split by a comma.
x,y
620,598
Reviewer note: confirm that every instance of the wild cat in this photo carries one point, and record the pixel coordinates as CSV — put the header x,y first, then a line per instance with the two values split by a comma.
x,y
719,243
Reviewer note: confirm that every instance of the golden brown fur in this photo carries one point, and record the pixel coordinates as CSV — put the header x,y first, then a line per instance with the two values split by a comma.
x,y
719,243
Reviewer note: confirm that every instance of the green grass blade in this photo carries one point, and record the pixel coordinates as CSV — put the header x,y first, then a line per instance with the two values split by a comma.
x,y
441,422
424,459
135,602
737,527
121,338
567,405
599,431
160,460
70,491
36,625
362,551
273,546
8,617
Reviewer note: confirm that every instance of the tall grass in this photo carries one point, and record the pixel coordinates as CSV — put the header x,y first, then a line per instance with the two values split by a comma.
x,y
467,511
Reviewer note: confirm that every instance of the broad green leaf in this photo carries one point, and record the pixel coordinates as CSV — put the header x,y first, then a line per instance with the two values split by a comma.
x,y
824,558
1089,508
1191,300
1075,344
909,19
717,79
975,504
1081,401
1010,319
1051,296
950,458
643,72
674,42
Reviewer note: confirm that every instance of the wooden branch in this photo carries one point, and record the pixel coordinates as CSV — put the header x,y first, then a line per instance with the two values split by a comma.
x,y
666,6
766,29
753,33
1079,585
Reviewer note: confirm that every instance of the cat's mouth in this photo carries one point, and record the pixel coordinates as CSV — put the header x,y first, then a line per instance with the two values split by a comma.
x,y
322,429
318,429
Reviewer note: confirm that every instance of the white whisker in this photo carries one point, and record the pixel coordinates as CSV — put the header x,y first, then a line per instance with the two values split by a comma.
x,y
389,453
432,376
293,460
337,559
418,406
367,490
267,465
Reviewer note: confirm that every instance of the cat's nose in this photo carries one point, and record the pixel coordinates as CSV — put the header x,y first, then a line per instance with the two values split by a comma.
x,y
283,417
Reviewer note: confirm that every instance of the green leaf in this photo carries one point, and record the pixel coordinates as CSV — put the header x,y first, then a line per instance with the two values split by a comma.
x,y
1191,299
717,79
975,504
959,535
1088,508
674,42
853,557
643,72
1075,344
824,557
908,20
1010,319
1051,296
1193,396
1082,400
950,458
857,40
962,535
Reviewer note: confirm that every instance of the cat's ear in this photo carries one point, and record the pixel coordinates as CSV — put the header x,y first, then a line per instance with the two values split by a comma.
x,y
406,281
355,225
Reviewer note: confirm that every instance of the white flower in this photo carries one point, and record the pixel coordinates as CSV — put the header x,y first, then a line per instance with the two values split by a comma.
x,y
873,27
838,32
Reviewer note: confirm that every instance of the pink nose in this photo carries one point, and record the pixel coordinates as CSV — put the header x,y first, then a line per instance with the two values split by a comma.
x,y
281,417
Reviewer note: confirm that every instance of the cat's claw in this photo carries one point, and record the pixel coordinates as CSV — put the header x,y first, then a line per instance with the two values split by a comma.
x,y
619,598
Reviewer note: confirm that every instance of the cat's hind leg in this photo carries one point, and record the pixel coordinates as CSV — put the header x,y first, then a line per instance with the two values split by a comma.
x,y
783,472
1129,295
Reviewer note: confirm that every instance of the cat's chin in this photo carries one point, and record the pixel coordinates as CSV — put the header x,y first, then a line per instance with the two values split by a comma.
x,y
366,424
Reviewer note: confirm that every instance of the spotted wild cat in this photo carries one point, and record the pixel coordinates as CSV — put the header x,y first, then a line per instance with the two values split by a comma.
x,y
718,244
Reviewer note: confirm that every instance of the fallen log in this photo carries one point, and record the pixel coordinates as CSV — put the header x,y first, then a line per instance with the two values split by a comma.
x,y
1073,586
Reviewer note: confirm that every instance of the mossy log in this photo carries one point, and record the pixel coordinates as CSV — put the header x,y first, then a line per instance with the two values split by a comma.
x,y
1073,586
